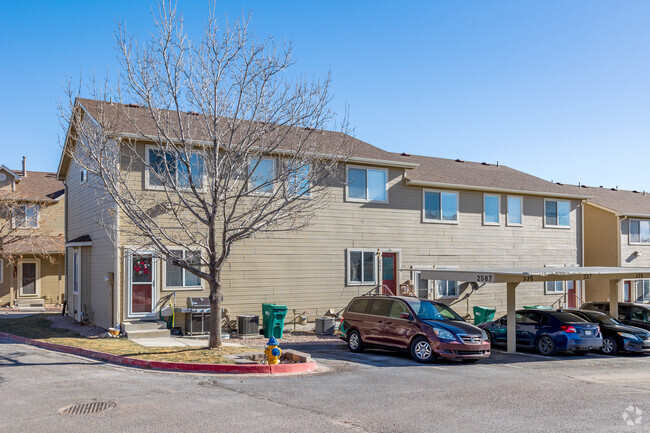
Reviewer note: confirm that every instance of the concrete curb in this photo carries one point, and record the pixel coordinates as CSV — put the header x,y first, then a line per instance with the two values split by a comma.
x,y
169,366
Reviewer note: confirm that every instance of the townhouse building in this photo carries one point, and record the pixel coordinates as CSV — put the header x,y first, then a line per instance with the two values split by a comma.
x,y
388,213
32,256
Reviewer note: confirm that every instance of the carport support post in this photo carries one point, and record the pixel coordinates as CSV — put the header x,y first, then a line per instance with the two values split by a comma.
x,y
512,325
613,298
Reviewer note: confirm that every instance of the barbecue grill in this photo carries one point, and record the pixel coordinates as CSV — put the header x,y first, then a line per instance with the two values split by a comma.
x,y
197,315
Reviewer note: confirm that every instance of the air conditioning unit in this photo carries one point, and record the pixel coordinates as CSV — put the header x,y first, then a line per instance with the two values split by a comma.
x,y
248,325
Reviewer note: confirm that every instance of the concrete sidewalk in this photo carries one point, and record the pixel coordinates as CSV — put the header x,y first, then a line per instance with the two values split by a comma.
x,y
177,342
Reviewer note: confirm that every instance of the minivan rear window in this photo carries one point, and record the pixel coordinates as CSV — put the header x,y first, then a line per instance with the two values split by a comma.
x,y
360,306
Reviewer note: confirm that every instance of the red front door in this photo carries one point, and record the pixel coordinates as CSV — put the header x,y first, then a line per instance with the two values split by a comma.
x,y
389,272
627,291
571,294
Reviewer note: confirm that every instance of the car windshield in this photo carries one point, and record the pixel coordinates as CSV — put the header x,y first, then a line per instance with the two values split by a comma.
x,y
427,310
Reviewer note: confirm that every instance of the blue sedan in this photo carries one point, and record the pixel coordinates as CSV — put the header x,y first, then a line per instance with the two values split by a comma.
x,y
548,332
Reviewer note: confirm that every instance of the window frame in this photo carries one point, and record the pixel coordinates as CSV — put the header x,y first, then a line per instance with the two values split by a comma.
x,y
554,292
498,197
348,268
365,200
308,195
521,211
147,170
637,283
166,288
2,270
629,231
457,289
440,221
24,227
274,176
83,176
556,226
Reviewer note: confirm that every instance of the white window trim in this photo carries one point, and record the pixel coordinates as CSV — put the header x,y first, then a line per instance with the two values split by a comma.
x,y
435,290
83,173
275,175
309,194
550,226
498,197
37,283
348,268
629,232
521,210
440,221
554,292
183,288
635,293
23,227
2,270
364,200
148,186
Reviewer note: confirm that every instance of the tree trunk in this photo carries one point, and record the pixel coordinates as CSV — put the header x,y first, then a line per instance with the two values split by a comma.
x,y
215,313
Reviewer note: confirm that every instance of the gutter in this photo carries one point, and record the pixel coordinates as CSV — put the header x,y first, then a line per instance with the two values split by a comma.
x,y
492,189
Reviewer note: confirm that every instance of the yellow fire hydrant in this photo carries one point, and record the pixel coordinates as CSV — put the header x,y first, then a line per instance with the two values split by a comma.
x,y
272,351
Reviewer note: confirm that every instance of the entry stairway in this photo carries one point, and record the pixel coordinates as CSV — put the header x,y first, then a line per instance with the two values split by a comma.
x,y
143,329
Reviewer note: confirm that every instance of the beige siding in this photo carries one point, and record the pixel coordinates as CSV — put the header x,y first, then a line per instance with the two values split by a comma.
x,y
88,212
306,270
601,240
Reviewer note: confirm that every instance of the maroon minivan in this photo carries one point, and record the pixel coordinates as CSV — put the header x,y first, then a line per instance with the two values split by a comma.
x,y
428,329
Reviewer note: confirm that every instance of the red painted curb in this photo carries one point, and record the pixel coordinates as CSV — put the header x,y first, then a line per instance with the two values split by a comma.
x,y
169,366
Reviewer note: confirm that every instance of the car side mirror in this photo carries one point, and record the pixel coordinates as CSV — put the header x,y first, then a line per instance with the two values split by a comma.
x,y
406,316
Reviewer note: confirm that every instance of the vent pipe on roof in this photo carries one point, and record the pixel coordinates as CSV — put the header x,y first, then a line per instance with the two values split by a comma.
x,y
24,166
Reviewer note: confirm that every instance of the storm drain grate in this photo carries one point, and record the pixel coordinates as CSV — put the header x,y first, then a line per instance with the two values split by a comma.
x,y
85,408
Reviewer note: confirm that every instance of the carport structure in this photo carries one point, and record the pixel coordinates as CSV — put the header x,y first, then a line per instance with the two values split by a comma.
x,y
513,277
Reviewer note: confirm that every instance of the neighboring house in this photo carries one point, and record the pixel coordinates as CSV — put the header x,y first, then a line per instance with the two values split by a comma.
x,y
395,211
32,260
617,233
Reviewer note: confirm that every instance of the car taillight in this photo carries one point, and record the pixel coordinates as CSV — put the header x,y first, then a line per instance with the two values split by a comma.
x,y
597,329
568,328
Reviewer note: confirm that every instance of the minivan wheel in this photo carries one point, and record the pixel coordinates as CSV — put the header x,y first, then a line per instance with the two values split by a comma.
x,y
609,346
421,350
355,344
545,345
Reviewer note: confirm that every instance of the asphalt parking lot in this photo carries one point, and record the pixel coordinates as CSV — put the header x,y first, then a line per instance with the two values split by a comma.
x,y
370,392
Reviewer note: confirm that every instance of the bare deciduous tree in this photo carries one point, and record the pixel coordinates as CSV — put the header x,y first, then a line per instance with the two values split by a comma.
x,y
236,148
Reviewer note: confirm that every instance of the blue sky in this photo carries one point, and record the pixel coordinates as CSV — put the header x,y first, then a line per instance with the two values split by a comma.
x,y
557,89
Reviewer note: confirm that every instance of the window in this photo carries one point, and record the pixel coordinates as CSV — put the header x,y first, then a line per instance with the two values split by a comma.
x,y
380,307
298,182
83,175
262,175
361,267
491,215
515,211
446,289
175,276
168,165
639,313
366,184
440,206
398,308
557,213
360,306
639,231
551,287
423,286
642,291
26,216
2,270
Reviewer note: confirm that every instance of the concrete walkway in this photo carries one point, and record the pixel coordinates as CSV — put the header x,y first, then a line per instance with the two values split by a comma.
x,y
177,342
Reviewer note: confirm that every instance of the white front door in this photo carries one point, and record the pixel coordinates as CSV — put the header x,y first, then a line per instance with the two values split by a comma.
x,y
28,276
76,284
141,284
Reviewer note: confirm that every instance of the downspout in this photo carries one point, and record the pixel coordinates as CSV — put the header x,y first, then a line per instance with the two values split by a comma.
x,y
117,275
65,255
583,284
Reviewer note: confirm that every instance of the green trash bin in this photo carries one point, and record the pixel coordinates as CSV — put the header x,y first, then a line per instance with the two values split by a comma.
x,y
483,314
273,319
537,307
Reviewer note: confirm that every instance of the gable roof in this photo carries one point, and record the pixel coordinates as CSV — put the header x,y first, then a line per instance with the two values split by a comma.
x,y
623,202
449,173
39,186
